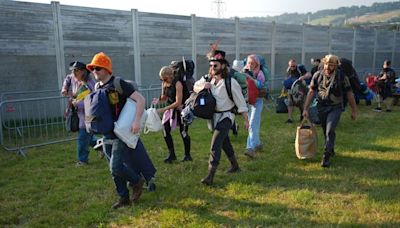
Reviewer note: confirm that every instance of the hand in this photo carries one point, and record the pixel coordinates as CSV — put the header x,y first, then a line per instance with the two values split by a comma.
x,y
74,102
353,115
155,100
160,110
207,85
305,114
135,128
246,124
64,93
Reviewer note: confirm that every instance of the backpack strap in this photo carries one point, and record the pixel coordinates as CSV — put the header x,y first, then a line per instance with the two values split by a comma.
x,y
228,83
117,85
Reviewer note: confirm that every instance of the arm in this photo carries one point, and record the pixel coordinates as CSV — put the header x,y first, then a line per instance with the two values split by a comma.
x,y
240,102
178,98
307,103
201,84
66,85
352,102
307,75
139,99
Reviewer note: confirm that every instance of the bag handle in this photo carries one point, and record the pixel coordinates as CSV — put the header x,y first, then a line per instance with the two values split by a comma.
x,y
302,123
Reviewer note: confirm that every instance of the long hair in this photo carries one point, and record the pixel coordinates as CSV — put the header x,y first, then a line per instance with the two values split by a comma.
x,y
224,72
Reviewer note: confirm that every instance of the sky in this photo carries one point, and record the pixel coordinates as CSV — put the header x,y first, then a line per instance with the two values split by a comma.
x,y
208,8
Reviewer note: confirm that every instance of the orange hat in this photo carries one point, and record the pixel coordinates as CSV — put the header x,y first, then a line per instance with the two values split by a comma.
x,y
100,60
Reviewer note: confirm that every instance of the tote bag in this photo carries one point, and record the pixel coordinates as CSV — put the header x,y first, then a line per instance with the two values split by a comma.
x,y
72,120
306,140
122,127
153,122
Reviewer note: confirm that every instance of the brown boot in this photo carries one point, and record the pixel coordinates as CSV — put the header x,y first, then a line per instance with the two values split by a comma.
x,y
137,189
122,202
208,180
234,165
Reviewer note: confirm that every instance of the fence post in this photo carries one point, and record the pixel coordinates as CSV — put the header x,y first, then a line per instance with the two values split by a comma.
x,y
136,46
237,38
375,47
59,42
330,39
273,34
353,53
194,43
303,53
394,46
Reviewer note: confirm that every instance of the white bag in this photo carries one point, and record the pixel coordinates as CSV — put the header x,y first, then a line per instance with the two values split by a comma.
x,y
122,127
153,121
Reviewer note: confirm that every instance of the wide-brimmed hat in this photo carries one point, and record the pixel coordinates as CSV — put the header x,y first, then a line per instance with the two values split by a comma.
x,y
100,60
77,66
218,56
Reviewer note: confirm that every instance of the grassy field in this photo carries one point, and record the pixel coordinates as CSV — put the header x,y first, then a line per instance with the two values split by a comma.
x,y
361,188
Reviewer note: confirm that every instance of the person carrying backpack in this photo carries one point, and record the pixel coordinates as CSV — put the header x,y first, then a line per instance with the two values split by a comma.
x,y
80,84
330,85
254,72
294,72
175,94
110,102
223,117
386,84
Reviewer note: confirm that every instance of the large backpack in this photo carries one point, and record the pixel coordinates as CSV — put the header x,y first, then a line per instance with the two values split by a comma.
x,y
346,66
184,71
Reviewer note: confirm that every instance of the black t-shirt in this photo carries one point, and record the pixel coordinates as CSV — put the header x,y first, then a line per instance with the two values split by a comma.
x,y
117,100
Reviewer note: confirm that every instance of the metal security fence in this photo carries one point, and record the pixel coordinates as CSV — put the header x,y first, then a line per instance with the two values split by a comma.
x,y
32,122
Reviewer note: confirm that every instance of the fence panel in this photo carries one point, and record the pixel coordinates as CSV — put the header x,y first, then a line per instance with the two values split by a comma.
x,y
33,122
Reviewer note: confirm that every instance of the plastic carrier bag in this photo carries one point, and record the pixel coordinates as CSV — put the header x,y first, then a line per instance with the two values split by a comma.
x,y
122,127
153,122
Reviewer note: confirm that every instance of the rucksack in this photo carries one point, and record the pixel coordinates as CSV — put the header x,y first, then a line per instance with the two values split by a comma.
x,y
204,104
183,72
98,114
346,66
241,79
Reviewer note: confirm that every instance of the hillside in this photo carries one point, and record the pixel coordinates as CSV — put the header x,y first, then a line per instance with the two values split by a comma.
x,y
384,15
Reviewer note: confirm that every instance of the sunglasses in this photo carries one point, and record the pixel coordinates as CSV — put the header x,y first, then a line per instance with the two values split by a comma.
x,y
97,68
213,65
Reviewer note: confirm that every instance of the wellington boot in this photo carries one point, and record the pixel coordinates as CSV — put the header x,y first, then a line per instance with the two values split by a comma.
x,y
234,165
122,202
208,180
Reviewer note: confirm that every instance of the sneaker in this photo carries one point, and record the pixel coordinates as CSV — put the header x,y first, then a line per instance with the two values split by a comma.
x,y
388,110
81,163
289,121
250,153
378,109
258,148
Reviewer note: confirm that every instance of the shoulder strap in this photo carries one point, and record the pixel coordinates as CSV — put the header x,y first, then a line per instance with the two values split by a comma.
x,y
117,85
228,86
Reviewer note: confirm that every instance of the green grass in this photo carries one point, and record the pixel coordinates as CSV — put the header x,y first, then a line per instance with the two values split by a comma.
x,y
361,188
